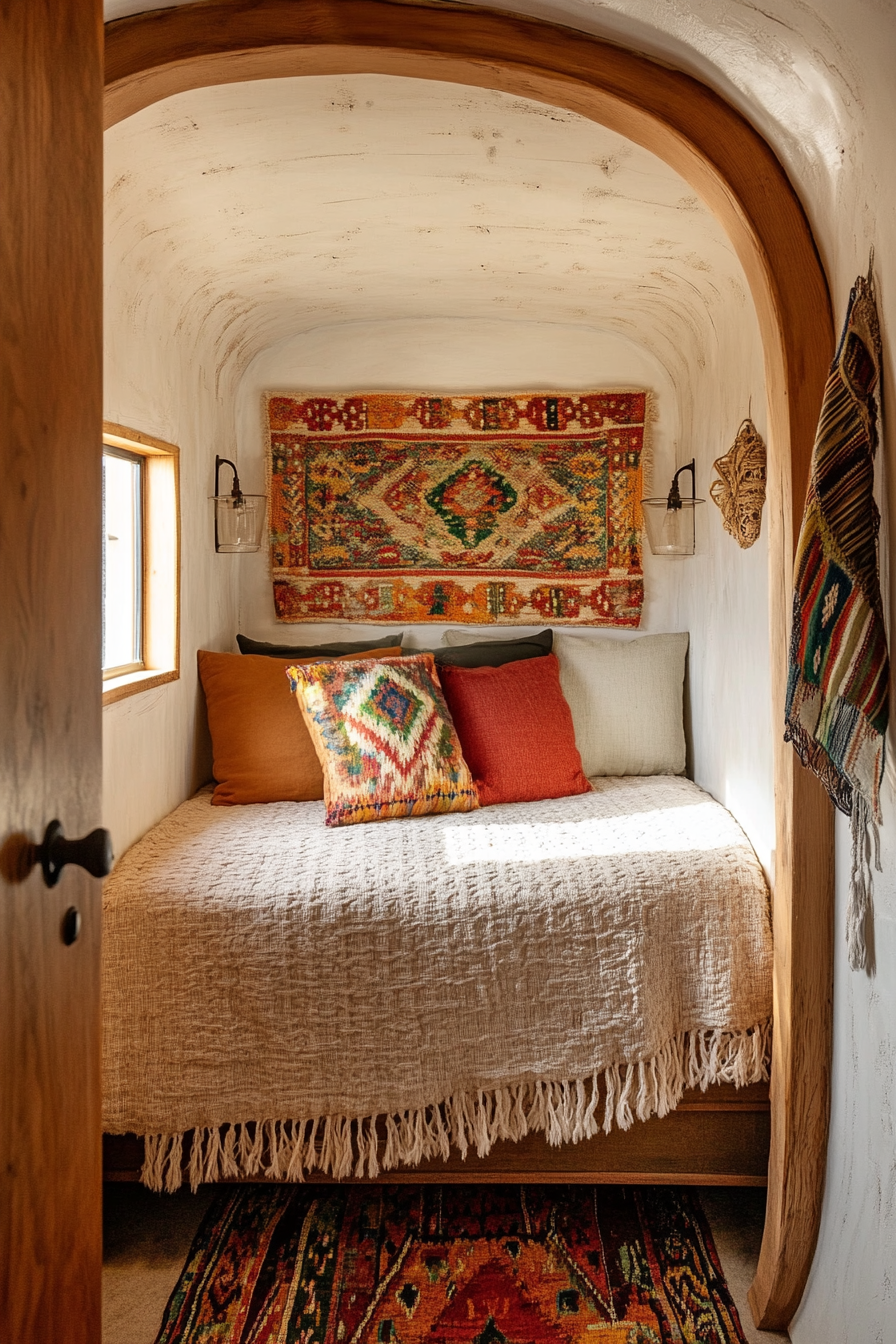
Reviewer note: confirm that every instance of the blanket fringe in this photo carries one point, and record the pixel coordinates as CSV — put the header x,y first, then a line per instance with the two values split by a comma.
x,y
565,1112
865,848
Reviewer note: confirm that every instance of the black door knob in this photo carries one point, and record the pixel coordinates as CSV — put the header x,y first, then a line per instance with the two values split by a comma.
x,y
93,852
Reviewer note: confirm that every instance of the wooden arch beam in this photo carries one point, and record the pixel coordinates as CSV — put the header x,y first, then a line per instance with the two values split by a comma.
x,y
735,172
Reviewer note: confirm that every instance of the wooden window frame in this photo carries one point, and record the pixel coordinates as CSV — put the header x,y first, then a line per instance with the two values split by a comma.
x,y
160,497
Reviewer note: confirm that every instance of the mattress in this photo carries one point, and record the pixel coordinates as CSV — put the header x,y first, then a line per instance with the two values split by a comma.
x,y
356,997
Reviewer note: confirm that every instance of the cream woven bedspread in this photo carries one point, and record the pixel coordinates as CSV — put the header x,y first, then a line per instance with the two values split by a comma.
x,y
560,965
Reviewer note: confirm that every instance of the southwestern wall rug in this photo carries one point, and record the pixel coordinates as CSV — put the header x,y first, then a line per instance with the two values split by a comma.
x,y
505,510
500,1264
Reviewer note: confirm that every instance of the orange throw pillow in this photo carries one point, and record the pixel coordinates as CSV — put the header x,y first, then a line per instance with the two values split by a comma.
x,y
261,749
515,729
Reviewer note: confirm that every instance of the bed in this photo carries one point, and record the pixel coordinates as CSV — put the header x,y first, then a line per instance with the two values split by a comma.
x,y
580,986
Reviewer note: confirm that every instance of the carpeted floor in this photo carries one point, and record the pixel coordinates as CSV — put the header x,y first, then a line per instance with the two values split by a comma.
x,y
148,1238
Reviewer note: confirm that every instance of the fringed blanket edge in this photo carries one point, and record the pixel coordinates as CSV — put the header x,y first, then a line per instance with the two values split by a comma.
x,y
564,1111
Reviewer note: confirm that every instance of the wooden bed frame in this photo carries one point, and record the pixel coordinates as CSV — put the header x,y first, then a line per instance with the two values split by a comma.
x,y
737,174
716,1137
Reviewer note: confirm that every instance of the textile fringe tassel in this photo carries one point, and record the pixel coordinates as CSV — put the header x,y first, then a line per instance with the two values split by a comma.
x,y
564,1111
865,843
651,420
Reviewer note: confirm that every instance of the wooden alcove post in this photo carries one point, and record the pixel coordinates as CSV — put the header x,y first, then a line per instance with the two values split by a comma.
x,y
163,52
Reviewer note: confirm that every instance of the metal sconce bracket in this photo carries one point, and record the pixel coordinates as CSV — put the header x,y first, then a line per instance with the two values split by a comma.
x,y
248,513
236,493
664,518
675,501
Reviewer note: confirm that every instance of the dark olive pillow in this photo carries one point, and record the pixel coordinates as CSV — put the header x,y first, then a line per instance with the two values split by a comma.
x,y
308,653
495,652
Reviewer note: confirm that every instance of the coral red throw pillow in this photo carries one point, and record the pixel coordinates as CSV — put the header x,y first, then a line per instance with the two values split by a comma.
x,y
515,729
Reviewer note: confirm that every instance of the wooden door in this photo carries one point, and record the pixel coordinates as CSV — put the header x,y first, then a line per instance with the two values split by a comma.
x,y
50,725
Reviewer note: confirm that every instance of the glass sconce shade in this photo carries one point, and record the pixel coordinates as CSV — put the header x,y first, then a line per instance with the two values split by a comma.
x,y
238,524
669,519
239,518
669,531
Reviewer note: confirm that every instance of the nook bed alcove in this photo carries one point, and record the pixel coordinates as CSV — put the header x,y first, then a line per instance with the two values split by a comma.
x,y
505,993
738,176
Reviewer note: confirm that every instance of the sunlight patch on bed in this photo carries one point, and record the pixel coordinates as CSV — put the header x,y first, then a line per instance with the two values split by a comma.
x,y
704,826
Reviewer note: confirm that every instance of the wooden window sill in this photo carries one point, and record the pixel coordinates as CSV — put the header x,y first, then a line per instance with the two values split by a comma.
x,y
132,683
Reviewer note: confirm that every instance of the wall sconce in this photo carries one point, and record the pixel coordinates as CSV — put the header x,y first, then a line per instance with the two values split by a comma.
x,y
670,521
239,518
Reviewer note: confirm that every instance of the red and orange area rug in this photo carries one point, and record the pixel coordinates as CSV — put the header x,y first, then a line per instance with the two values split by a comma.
x,y
452,1265
504,510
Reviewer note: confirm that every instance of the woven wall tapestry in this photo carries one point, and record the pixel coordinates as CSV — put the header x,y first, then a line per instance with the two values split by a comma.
x,y
505,510
839,677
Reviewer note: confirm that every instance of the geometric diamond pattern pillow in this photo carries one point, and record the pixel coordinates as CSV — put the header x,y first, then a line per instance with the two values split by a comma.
x,y
384,738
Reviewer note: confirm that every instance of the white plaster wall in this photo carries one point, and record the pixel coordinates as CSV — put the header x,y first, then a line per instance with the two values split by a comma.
x,y
159,379
444,356
719,596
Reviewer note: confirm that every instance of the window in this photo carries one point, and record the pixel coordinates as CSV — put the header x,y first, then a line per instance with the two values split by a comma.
x,y
141,563
122,563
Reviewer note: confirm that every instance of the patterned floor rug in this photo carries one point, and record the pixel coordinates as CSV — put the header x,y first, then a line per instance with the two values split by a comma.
x,y
452,1265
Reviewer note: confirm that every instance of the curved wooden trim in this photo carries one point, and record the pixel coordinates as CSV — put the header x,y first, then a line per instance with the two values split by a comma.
x,y
735,172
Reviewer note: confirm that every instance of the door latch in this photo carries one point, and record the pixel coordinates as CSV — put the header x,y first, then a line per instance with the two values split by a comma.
x,y
93,852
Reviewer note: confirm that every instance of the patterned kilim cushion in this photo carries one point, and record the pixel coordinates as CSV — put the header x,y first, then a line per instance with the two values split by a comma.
x,y
384,738
506,510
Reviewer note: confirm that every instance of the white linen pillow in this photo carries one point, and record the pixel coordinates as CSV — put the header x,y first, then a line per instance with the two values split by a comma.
x,y
627,701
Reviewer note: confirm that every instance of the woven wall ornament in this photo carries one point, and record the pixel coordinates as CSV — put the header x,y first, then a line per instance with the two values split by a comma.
x,y
740,493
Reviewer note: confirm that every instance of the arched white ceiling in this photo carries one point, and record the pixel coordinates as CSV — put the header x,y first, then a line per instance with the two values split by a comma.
x,y
253,212
794,68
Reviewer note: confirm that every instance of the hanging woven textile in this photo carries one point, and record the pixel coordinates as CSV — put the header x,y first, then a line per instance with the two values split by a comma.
x,y
838,682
